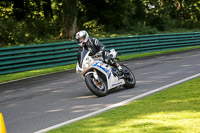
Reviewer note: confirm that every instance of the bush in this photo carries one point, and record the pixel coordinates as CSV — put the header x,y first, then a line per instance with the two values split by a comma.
x,y
93,26
189,24
27,31
142,29
160,22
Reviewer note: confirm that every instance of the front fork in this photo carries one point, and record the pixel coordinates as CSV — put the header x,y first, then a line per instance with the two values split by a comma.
x,y
96,75
94,72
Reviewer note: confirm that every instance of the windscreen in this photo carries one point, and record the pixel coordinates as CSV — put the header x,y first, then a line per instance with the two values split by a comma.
x,y
82,56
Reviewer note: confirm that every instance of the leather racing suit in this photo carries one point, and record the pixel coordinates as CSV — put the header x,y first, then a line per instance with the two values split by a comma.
x,y
96,47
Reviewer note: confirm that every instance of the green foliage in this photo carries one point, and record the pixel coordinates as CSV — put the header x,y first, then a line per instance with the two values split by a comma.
x,y
189,24
26,31
141,30
118,17
5,9
44,18
113,14
160,22
93,27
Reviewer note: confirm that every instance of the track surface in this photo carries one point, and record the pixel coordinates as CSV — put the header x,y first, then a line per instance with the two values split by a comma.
x,y
37,103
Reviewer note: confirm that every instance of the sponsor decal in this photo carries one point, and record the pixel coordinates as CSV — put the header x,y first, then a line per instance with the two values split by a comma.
x,y
105,69
117,84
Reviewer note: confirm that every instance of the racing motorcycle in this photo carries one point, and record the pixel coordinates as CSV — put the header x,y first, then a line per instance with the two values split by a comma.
x,y
101,77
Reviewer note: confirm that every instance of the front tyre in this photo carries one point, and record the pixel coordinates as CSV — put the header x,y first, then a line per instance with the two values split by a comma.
x,y
129,79
98,88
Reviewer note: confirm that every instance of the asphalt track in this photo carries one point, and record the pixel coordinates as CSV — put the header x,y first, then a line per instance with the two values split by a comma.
x,y
37,103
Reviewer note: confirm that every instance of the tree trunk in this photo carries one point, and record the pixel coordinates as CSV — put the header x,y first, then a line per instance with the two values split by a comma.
x,y
162,3
177,4
69,19
19,9
48,13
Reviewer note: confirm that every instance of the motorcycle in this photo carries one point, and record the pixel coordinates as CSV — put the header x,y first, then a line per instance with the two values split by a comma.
x,y
101,77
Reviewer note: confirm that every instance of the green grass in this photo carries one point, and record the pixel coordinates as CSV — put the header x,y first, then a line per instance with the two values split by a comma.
x,y
175,110
126,57
21,75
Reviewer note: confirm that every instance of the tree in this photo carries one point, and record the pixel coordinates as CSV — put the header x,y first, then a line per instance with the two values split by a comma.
x,y
19,9
48,13
113,14
69,19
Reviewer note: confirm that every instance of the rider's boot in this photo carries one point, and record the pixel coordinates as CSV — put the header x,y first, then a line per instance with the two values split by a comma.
x,y
120,70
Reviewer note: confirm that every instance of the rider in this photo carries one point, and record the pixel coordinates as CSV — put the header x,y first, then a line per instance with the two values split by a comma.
x,y
96,48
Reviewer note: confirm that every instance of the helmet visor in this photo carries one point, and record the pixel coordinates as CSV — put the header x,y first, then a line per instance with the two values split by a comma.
x,y
80,40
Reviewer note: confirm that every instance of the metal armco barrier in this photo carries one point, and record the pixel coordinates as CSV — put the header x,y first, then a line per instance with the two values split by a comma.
x,y
30,57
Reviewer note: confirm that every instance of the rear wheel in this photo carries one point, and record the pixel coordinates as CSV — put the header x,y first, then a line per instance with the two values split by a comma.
x,y
129,77
97,87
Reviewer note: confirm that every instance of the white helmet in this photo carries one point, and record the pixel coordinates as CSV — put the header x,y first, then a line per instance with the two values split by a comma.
x,y
82,37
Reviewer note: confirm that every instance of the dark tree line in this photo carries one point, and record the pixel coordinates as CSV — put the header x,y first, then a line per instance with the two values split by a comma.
x,y
19,10
65,17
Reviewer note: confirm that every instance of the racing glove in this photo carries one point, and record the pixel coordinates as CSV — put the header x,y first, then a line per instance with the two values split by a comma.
x,y
98,54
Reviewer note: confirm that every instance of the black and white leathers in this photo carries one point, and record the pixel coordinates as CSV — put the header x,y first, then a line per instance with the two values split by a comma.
x,y
93,45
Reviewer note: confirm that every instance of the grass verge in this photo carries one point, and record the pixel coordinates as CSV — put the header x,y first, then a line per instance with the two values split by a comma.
x,y
22,75
175,110
132,56
31,73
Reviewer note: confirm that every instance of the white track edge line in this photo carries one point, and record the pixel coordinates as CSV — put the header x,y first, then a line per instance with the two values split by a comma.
x,y
117,104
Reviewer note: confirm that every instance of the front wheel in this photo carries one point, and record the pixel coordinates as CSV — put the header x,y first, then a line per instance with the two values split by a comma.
x,y
129,77
97,87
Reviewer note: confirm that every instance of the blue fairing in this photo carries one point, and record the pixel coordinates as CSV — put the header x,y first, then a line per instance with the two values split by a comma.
x,y
109,75
106,70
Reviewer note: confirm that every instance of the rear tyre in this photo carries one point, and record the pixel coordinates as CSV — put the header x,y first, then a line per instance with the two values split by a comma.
x,y
98,88
130,80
